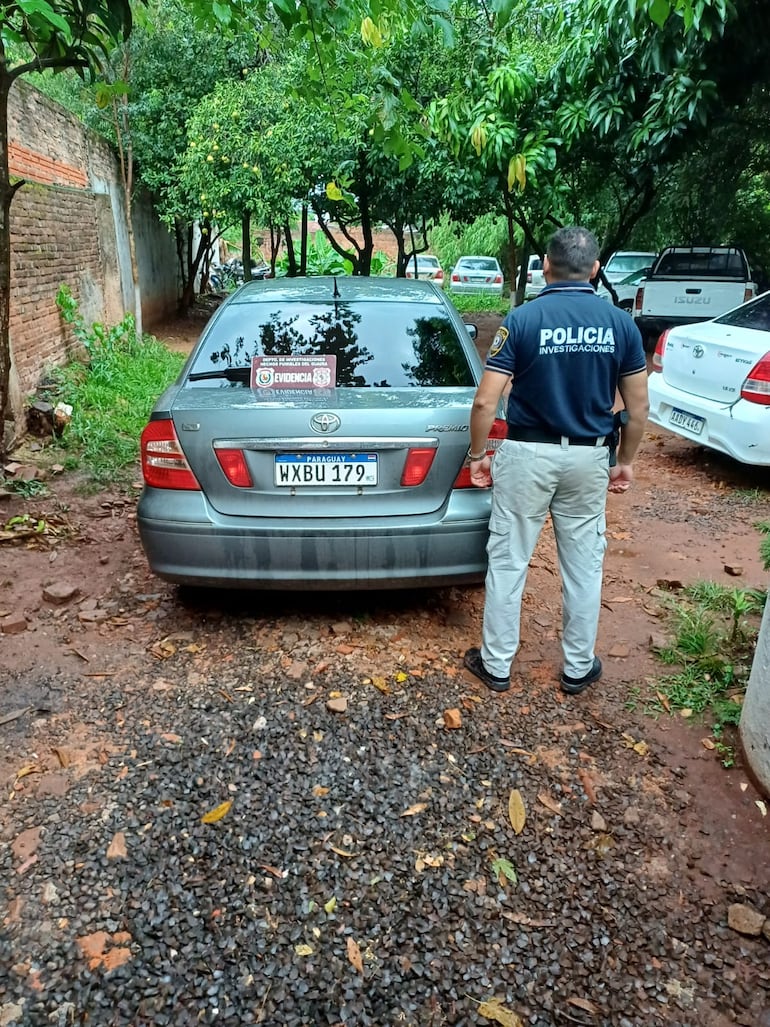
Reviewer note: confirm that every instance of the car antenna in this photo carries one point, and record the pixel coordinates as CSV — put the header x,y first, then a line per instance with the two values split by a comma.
x,y
337,295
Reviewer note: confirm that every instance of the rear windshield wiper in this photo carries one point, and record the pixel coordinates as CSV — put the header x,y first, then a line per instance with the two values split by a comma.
x,y
233,374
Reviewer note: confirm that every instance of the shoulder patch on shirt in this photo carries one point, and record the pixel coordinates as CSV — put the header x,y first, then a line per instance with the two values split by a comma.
x,y
498,342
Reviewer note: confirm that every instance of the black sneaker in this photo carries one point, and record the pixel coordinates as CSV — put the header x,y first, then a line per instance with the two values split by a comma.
x,y
574,686
475,665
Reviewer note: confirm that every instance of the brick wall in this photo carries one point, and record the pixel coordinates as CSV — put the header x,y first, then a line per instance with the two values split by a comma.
x,y
68,227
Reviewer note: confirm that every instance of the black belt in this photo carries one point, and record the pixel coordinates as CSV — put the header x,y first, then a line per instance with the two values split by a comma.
x,y
535,435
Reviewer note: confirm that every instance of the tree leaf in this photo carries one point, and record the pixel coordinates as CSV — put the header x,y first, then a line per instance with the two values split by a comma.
x,y
549,802
217,813
354,955
493,1010
516,811
584,1004
419,807
504,871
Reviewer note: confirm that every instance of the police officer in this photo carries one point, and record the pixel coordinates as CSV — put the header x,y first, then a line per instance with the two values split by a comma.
x,y
564,354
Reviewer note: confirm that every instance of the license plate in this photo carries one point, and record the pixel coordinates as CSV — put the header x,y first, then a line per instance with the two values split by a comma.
x,y
299,469
689,421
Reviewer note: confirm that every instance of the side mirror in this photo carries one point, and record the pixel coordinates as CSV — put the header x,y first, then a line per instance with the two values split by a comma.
x,y
472,331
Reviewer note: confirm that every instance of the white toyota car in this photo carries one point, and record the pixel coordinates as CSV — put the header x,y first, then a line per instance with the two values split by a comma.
x,y
710,382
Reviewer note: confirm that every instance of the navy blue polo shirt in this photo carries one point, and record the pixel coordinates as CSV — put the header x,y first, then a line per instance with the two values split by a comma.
x,y
566,351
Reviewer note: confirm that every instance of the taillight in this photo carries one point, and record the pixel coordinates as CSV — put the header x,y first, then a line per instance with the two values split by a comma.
x,y
638,299
498,279
233,463
164,465
497,433
748,294
756,388
455,277
660,348
529,277
439,276
418,463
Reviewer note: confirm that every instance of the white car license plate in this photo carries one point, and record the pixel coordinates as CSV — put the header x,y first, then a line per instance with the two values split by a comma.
x,y
689,421
299,469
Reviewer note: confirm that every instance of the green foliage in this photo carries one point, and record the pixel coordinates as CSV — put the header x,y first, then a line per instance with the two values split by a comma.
x,y
485,235
26,488
111,393
764,545
322,258
478,303
714,631
61,34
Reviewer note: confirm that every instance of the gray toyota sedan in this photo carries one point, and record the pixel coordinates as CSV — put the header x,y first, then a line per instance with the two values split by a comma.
x,y
316,438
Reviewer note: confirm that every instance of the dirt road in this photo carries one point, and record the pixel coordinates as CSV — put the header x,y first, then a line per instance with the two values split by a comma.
x,y
127,710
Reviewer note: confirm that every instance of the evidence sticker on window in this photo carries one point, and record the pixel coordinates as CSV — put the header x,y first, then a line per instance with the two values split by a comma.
x,y
288,372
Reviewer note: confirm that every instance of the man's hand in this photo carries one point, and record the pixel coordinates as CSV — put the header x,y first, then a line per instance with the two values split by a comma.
x,y
621,476
481,472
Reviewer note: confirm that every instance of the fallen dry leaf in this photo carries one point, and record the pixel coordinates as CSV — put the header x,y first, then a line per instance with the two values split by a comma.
x,y
584,1004
419,807
549,802
117,847
516,811
492,1009
354,955
217,813
341,852
663,700
275,871
708,743
303,950
381,684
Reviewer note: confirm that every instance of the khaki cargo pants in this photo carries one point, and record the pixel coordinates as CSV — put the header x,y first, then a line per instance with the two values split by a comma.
x,y
531,479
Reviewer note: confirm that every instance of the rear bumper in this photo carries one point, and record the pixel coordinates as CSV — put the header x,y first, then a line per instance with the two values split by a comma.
x,y
468,287
741,431
197,546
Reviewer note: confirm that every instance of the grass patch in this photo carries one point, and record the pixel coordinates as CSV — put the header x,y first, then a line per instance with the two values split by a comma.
x,y
478,303
764,545
111,393
712,647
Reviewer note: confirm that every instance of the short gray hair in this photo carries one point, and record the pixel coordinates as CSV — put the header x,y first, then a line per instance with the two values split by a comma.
x,y
572,253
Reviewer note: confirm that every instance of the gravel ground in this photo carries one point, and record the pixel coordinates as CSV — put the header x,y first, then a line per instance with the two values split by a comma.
x,y
302,812
366,863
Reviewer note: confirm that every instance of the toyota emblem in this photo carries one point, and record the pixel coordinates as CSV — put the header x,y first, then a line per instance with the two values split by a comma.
x,y
325,423
698,351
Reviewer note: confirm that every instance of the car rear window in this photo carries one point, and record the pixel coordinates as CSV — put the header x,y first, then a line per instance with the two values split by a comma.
x,y
751,315
627,262
376,345
706,264
479,263
427,262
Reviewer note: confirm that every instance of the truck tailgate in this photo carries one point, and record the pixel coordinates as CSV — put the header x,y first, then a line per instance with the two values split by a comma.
x,y
691,299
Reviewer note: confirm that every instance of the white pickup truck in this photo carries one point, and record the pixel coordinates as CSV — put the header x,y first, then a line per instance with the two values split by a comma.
x,y
691,283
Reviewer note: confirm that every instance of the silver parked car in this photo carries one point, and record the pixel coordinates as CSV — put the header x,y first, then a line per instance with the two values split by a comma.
x,y
425,265
316,438
477,274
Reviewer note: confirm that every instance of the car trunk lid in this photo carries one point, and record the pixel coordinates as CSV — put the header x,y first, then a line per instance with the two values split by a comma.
x,y
307,458
711,362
